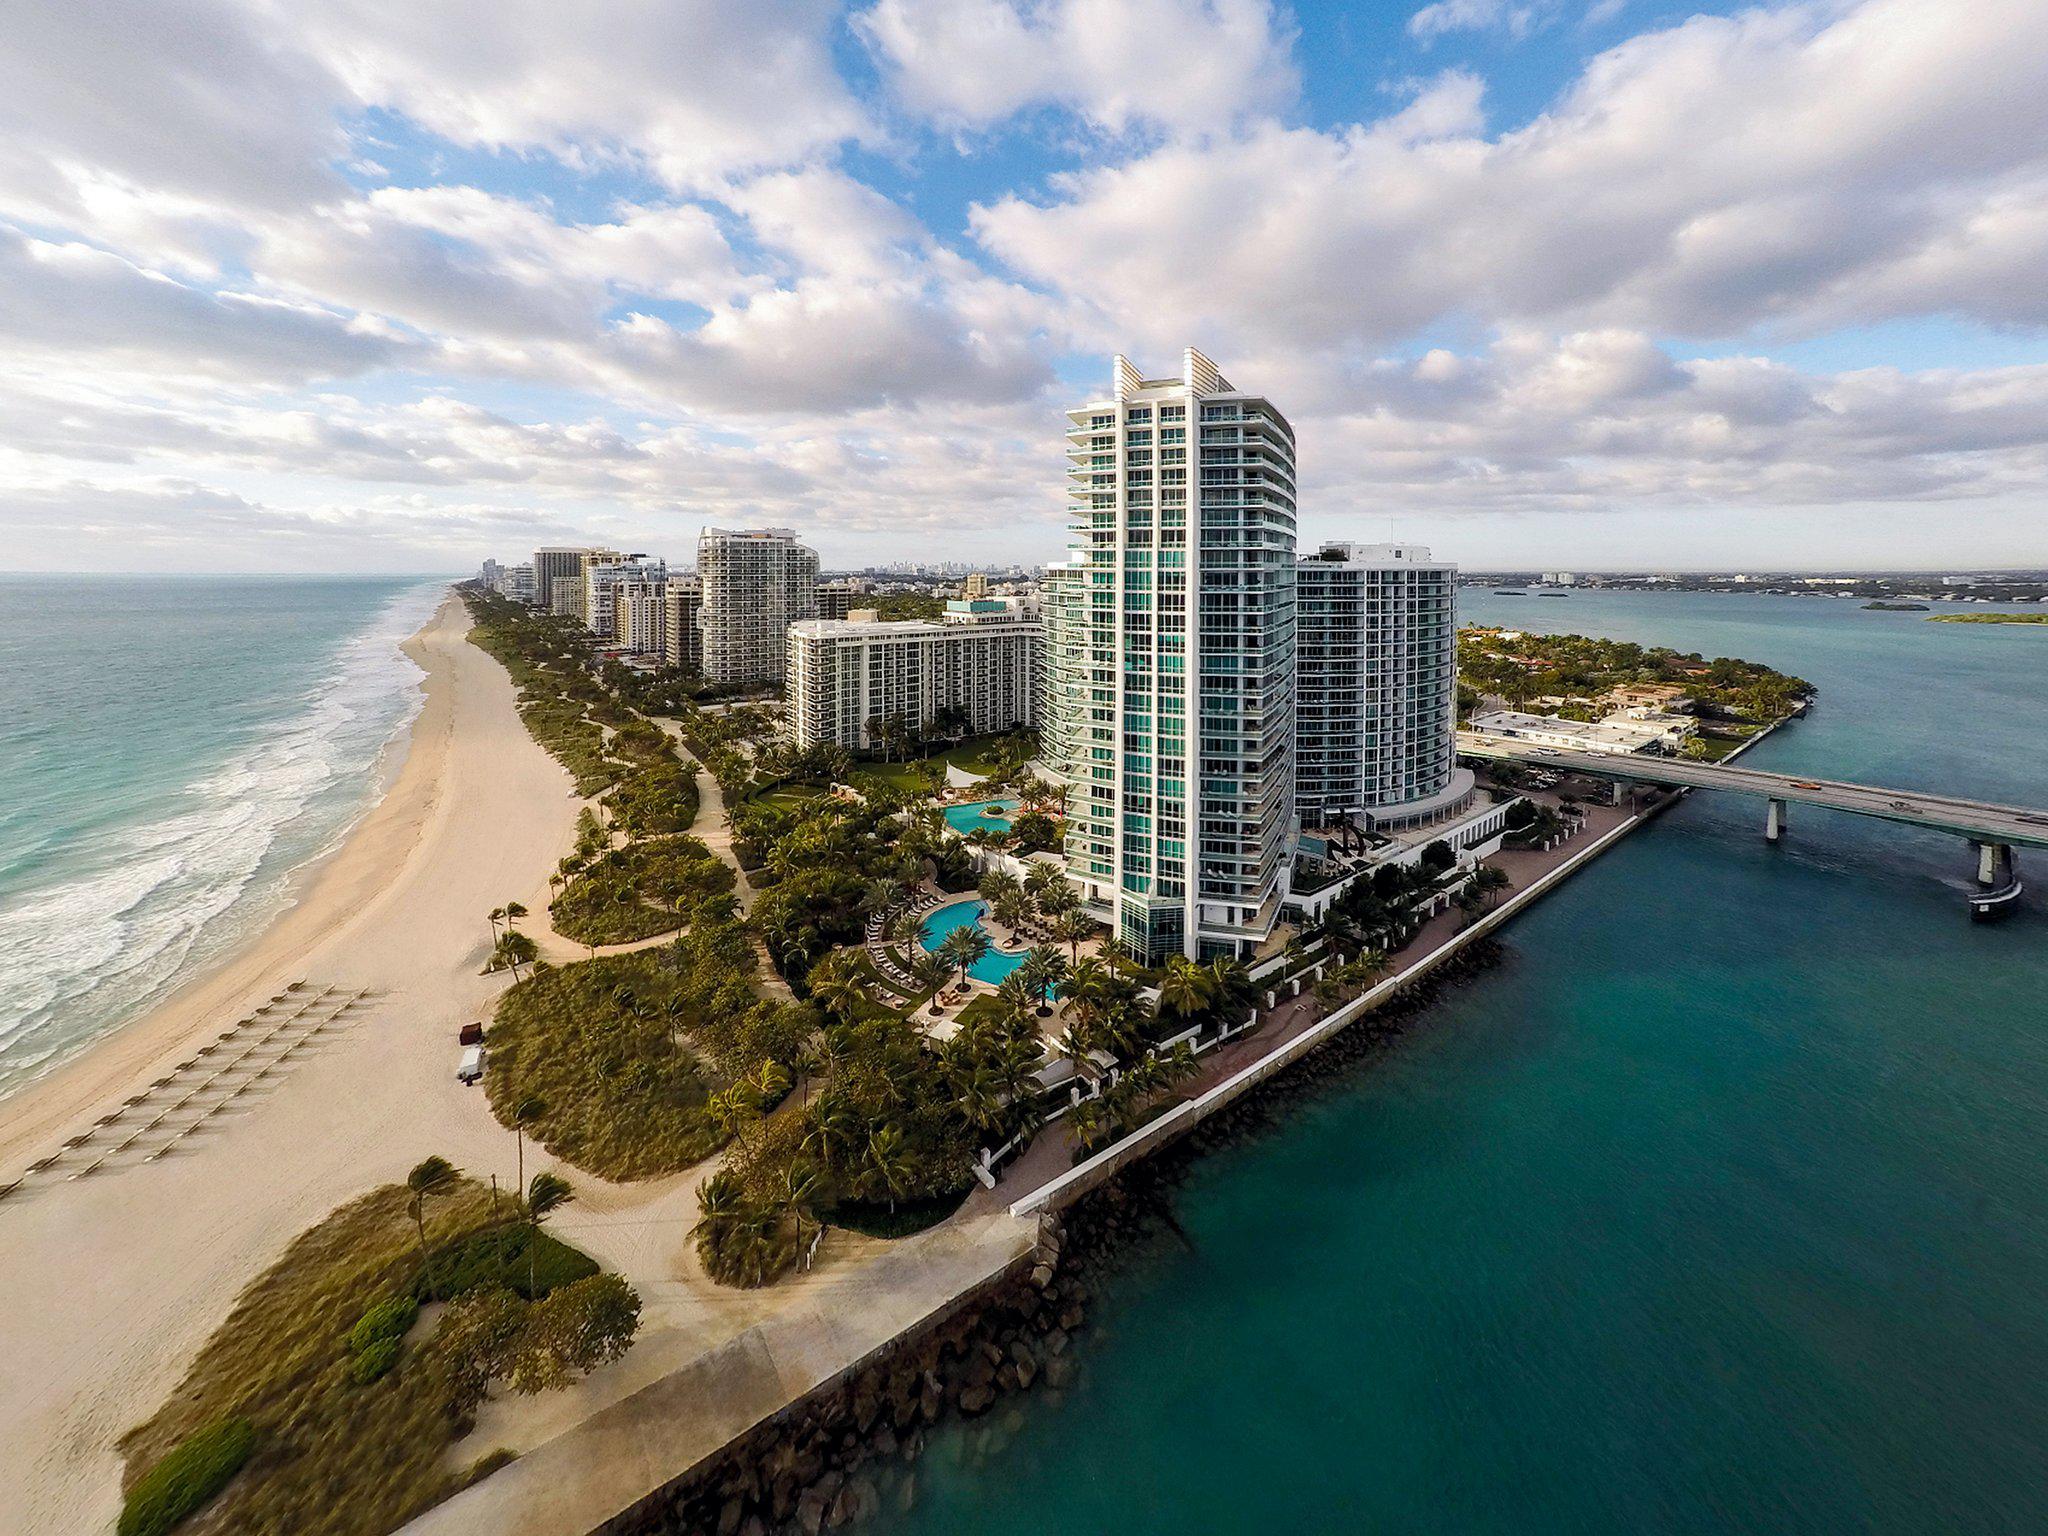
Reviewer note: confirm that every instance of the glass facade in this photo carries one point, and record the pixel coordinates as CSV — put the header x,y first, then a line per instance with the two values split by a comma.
x,y
1377,715
1170,655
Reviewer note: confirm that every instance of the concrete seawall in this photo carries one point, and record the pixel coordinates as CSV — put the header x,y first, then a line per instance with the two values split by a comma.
x,y
616,1470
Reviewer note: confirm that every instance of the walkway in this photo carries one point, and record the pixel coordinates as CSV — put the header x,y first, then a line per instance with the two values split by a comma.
x,y
713,828
1051,1155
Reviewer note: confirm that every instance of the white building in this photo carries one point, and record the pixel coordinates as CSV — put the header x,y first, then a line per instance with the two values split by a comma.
x,y
1631,732
1376,688
640,615
756,583
1171,661
602,579
846,676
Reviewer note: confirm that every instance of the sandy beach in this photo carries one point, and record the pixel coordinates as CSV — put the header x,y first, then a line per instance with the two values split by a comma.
x,y
113,1280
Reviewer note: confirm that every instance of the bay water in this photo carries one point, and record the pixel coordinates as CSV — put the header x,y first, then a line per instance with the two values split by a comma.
x,y
172,751
1718,1205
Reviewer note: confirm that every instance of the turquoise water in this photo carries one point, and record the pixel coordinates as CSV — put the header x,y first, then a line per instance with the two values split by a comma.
x,y
966,818
1716,1207
991,967
171,749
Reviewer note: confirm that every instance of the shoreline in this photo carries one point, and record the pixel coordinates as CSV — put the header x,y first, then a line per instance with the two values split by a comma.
x,y
150,1040
124,1258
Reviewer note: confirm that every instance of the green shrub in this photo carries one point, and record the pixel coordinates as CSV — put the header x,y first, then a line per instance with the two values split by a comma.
x,y
372,1361
388,1319
497,1256
198,1468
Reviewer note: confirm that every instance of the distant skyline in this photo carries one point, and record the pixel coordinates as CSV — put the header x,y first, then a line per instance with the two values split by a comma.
x,y
1593,284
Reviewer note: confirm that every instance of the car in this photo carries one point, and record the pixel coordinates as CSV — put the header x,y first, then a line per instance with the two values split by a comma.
x,y
1806,784
1904,805
1547,752
472,1068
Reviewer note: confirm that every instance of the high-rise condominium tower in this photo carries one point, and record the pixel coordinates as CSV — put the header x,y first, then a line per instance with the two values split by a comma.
x,y
1170,655
756,582
1376,687
552,564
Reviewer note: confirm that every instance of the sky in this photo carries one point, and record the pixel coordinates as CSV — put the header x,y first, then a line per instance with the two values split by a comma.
x,y
362,285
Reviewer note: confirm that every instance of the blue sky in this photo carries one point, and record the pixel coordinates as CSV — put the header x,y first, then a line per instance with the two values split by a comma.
x,y
361,285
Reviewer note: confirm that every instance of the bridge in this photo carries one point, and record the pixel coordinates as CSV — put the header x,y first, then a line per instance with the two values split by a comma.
x,y
1993,830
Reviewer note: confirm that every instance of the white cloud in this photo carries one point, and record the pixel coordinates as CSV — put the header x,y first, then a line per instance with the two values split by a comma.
x,y
696,90
1192,65
1477,16
1805,167
93,309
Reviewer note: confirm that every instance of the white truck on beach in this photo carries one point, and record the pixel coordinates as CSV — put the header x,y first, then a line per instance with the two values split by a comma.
x,y
472,1068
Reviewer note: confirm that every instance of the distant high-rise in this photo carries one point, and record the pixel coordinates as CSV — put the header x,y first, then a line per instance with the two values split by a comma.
x,y
603,574
549,564
756,582
835,599
682,639
1376,687
1170,652
640,614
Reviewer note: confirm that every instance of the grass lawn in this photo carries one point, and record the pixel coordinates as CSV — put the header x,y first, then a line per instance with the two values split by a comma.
x,y
982,1005
971,756
787,797
331,1456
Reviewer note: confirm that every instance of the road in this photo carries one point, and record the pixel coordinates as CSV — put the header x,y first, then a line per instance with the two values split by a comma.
x,y
1980,821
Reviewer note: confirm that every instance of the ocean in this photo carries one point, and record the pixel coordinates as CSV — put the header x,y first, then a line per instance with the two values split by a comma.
x,y
1716,1206
172,751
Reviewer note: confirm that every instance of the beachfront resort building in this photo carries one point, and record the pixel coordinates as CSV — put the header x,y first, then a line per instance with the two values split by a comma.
x,y
1624,732
640,615
1171,660
756,583
1376,688
682,642
551,566
969,673
602,580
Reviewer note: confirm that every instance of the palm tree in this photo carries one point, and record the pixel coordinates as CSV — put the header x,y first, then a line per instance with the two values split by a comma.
x,y
888,1161
1073,927
799,1196
494,917
525,1113
963,948
930,972
547,1192
1088,989
1185,988
1013,911
837,986
833,1126
997,884
435,1176
733,1110
513,912
905,929
1044,968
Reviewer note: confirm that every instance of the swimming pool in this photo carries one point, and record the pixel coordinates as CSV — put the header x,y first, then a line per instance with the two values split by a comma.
x,y
996,815
991,967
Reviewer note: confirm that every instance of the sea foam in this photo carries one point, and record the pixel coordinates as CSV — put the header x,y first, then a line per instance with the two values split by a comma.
x,y
142,906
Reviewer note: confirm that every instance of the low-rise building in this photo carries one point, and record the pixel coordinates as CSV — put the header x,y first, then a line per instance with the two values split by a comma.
x,y
973,670
1616,734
